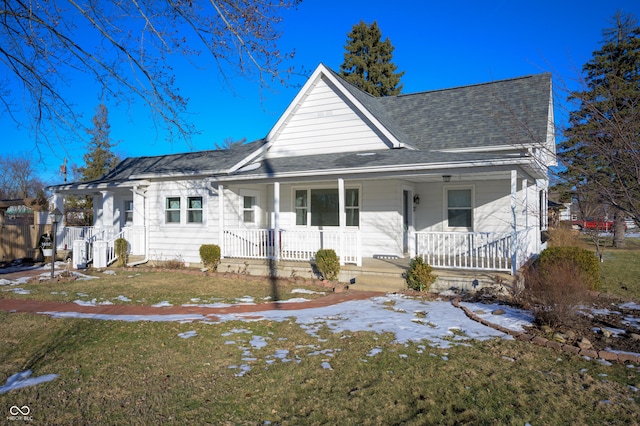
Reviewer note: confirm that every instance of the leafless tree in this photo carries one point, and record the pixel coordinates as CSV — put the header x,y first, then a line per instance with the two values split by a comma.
x,y
18,177
125,47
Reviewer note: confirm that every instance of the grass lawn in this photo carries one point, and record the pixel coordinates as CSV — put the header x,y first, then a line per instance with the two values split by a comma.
x,y
115,372
149,287
620,270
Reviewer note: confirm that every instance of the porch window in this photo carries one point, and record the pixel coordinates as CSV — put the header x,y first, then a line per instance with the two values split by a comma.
x,y
172,210
302,207
352,206
459,208
324,207
128,211
249,209
194,210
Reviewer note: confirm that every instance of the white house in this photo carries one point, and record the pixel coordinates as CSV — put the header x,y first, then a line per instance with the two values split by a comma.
x,y
458,176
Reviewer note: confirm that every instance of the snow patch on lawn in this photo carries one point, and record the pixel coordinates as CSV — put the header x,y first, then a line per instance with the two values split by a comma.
x,y
24,379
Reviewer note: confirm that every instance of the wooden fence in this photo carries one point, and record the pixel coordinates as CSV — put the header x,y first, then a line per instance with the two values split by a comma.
x,y
20,241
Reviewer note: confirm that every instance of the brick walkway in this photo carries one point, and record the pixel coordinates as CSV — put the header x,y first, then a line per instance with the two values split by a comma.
x,y
33,306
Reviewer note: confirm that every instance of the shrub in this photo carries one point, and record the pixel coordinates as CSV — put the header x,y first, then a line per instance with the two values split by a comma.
x,y
328,264
210,256
554,293
122,248
583,260
419,275
176,263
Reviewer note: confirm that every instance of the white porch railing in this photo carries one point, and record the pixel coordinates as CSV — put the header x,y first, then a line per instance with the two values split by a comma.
x,y
72,233
466,250
296,245
135,236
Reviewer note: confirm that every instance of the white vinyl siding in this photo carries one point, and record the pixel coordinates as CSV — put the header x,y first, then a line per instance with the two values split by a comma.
x,y
323,123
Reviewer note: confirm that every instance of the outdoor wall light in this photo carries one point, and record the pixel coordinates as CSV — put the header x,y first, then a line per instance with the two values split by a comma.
x,y
446,178
416,199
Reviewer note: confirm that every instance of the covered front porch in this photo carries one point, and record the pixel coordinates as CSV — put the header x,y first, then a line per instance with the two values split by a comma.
x,y
488,251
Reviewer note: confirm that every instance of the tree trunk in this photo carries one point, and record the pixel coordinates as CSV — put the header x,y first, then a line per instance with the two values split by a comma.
x,y
618,229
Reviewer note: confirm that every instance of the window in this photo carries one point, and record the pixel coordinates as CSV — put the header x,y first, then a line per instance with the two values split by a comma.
x,y
194,210
249,209
459,208
172,210
352,206
302,207
323,205
128,211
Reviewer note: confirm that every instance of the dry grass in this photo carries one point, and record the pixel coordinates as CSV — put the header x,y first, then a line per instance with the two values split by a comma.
x,y
175,286
114,372
142,373
565,236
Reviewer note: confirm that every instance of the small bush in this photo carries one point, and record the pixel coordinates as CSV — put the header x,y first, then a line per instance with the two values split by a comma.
x,y
176,263
122,249
554,293
328,264
419,275
583,260
210,256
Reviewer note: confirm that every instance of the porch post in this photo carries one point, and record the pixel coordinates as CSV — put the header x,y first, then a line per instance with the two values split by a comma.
x,y
221,220
139,231
342,218
276,220
107,213
525,217
514,222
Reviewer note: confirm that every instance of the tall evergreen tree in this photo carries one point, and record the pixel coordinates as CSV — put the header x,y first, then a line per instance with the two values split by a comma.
x,y
367,61
99,158
602,146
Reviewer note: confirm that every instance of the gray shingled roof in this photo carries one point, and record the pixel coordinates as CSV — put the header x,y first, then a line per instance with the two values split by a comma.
x,y
376,159
508,113
190,163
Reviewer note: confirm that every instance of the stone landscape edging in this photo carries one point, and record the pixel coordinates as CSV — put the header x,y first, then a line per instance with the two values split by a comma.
x,y
541,341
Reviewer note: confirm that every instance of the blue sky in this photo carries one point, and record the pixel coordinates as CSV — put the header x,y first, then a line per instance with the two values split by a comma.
x,y
438,45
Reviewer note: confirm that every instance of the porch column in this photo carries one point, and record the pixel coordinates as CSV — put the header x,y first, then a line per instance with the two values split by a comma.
x,y
514,222
137,235
276,221
342,218
525,218
221,220
107,213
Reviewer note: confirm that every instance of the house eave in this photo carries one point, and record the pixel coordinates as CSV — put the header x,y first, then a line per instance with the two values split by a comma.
x,y
407,169
92,187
